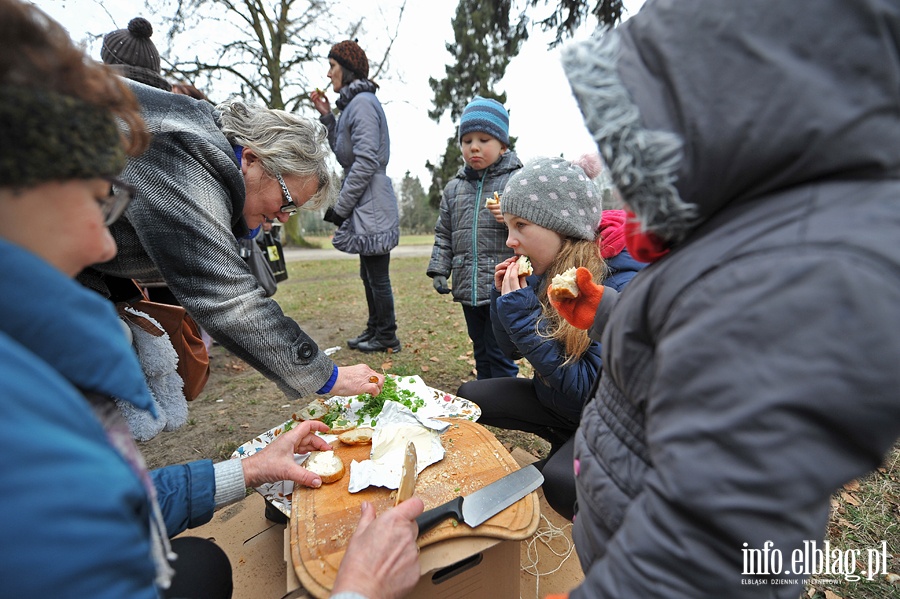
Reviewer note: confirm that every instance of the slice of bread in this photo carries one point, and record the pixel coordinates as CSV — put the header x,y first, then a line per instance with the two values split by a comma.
x,y
341,425
326,464
524,264
564,286
492,200
315,410
358,436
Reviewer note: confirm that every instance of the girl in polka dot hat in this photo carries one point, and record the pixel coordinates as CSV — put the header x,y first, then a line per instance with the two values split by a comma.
x,y
552,209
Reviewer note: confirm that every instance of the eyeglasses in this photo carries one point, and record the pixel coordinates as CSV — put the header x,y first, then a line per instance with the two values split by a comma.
x,y
120,195
289,206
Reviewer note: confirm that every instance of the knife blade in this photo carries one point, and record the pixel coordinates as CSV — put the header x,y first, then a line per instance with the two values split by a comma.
x,y
475,508
408,474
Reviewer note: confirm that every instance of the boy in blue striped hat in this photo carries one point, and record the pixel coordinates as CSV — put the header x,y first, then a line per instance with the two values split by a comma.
x,y
470,235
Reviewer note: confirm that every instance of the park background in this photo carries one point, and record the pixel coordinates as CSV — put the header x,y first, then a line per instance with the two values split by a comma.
x,y
407,42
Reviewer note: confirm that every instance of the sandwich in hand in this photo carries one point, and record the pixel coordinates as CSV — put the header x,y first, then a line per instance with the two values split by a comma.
x,y
577,303
328,466
524,266
563,286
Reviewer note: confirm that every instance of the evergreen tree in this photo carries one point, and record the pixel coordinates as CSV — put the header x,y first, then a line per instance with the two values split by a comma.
x,y
417,216
486,39
487,36
568,15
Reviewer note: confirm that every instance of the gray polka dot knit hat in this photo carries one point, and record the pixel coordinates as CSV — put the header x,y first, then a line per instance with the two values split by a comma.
x,y
557,195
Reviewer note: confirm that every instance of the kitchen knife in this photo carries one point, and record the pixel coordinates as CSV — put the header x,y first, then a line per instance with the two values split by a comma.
x,y
408,474
475,508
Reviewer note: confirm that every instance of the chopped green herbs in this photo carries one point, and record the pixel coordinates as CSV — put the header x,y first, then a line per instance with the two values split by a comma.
x,y
373,404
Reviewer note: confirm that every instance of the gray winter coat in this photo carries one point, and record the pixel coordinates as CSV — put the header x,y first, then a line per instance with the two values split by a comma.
x,y
181,229
754,369
468,240
362,145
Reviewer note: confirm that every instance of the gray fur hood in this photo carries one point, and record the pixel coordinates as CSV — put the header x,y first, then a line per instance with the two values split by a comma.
x,y
674,150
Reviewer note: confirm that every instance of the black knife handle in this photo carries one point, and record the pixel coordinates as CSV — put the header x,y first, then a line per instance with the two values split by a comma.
x,y
434,516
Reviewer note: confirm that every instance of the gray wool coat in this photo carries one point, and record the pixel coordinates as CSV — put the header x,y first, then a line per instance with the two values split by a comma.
x,y
753,370
362,144
180,229
468,240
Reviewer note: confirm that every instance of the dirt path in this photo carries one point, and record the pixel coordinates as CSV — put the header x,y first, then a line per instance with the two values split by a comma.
x,y
401,251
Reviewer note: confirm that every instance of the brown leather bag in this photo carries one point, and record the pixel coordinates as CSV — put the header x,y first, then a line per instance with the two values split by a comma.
x,y
193,359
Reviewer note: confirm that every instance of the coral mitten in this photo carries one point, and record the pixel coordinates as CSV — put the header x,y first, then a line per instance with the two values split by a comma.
x,y
580,311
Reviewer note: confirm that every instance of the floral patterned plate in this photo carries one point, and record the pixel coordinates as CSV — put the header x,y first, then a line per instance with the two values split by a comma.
x,y
437,405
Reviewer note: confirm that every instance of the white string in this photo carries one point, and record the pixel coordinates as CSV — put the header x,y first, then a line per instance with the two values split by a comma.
x,y
545,535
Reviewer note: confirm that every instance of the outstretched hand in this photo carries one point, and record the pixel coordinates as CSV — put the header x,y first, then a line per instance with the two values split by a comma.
x,y
276,461
382,558
580,311
357,379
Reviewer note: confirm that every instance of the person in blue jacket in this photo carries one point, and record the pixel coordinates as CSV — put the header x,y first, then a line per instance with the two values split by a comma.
x,y
367,214
81,514
552,209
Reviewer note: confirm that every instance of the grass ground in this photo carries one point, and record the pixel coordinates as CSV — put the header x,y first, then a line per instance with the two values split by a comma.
x,y
326,298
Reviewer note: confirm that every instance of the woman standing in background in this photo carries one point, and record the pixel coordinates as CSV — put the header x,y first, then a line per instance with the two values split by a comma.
x,y
366,212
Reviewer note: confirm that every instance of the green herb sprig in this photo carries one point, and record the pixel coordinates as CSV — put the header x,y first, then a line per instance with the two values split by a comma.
x,y
373,404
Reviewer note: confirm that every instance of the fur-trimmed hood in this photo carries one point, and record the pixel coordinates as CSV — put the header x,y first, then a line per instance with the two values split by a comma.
x,y
678,143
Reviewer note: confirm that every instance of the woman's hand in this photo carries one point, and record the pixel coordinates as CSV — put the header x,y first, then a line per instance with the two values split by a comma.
x,y
353,380
320,101
276,461
382,558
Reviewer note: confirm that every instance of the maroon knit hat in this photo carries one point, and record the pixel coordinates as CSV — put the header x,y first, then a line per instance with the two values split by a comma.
x,y
349,55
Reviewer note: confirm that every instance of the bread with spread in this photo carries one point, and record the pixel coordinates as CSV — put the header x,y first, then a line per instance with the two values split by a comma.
x,y
326,464
524,265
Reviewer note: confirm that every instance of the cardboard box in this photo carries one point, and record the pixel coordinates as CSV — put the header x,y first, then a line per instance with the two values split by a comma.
x,y
259,551
470,568
254,545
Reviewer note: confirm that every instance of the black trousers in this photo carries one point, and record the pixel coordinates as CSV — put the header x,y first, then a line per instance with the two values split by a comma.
x,y
490,362
202,571
512,404
376,277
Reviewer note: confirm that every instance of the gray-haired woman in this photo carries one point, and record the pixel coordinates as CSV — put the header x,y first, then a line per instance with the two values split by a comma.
x,y
210,176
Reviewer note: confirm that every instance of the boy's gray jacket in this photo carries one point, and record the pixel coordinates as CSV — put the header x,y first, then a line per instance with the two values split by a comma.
x,y
753,370
362,145
468,240
180,229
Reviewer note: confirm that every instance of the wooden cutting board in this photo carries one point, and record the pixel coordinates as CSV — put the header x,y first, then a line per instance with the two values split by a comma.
x,y
322,520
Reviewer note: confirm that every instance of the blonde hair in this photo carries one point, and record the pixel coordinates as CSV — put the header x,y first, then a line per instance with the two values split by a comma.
x,y
285,143
573,253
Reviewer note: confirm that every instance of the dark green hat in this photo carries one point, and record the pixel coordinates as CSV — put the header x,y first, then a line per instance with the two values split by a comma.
x,y
48,136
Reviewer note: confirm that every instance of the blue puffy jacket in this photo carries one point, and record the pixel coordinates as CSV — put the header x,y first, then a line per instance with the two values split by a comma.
x,y
74,515
564,389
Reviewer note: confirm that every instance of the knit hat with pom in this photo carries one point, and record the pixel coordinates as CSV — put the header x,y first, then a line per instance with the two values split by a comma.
x,y
349,55
555,194
133,54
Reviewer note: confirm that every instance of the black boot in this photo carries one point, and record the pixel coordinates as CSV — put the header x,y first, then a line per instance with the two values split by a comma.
x,y
375,345
364,336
